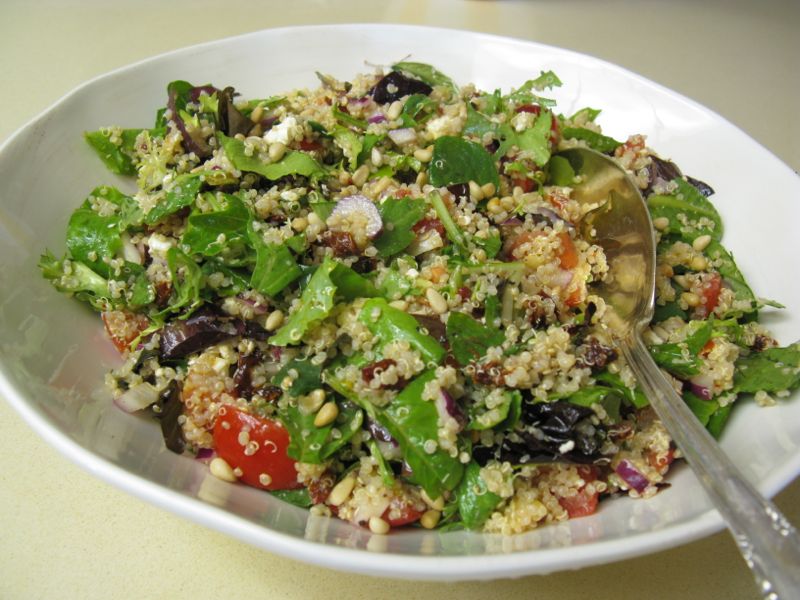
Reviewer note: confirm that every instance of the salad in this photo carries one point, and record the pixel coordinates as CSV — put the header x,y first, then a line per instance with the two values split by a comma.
x,y
372,299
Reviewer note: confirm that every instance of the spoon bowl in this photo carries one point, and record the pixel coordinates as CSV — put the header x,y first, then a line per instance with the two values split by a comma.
x,y
619,222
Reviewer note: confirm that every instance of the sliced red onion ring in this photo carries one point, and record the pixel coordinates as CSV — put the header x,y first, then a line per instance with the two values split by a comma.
x,y
701,386
632,476
351,206
449,410
377,118
206,455
406,135
136,398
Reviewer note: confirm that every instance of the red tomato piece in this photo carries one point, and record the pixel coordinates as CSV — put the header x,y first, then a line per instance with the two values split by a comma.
x,y
529,108
581,504
309,145
257,447
569,254
123,327
710,294
403,515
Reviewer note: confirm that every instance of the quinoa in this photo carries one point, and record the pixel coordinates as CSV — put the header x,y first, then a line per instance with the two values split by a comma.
x,y
374,298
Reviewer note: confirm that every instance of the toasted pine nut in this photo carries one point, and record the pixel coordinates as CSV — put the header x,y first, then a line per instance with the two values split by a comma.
x,y
274,320
437,302
430,518
395,108
661,222
360,176
424,154
475,191
326,415
378,525
276,151
698,263
701,242
220,469
488,190
342,490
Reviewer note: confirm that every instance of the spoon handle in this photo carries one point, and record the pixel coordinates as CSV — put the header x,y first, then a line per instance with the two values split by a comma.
x,y
768,542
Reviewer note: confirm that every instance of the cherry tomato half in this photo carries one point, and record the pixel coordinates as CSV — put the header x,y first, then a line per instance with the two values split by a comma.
x,y
257,447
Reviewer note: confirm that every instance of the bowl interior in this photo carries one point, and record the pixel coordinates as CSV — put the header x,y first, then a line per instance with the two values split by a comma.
x,y
54,355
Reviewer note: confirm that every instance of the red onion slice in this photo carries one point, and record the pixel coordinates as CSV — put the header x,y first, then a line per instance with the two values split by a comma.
x,y
632,476
358,205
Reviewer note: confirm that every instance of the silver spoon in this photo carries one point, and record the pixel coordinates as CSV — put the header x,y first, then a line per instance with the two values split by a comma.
x,y
621,226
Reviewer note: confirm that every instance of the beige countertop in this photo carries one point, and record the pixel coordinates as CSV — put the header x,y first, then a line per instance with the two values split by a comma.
x,y
65,534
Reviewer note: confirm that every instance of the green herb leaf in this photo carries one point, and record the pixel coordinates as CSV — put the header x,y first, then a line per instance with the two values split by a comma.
x,y
469,339
307,380
689,213
275,266
182,193
293,163
118,158
391,324
475,502
311,444
350,285
211,233
426,73
453,232
351,144
74,277
534,141
596,141
676,358
187,281
412,421
299,497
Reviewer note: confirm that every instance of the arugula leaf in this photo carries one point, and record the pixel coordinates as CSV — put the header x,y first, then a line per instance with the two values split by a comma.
x,y
456,160
453,232
475,502
394,286
702,409
607,397
293,163
347,119
689,213
596,141
586,114
118,158
469,339
74,277
311,444
633,396
275,266
187,280
426,73
211,233
534,141
299,497
491,244
412,421
367,144
770,370
477,124
697,335
389,324
386,473
239,280
524,94
724,263
307,380
416,110
351,285
491,314
399,217
181,194
316,303
351,144
717,421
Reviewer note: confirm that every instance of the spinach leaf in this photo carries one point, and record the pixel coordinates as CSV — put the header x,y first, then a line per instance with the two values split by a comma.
x,y
416,110
308,376
311,444
225,229
534,141
561,172
477,124
469,339
141,292
187,280
394,285
586,113
698,333
676,358
293,163
607,397
316,303
237,280
399,217
770,370
689,213
350,285
702,409
670,309
386,473
92,237
275,266
717,421
456,160
118,158
475,502
633,396
724,263
390,324
181,194
367,144
412,421
426,73
595,141
491,244
299,497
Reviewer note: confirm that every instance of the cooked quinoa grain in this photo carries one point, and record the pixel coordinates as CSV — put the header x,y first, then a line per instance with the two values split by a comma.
x,y
374,298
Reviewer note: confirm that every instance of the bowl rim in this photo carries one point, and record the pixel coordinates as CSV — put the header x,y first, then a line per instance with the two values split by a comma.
x,y
467,567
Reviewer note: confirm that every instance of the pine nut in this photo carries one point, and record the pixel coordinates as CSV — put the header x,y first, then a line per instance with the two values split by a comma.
x,y
274,320
395,108
437,504
220,469
424,154
313,219
326,415
380,187
299,224
360,176
475,191
422,178
698,263
488,190
342,490
690,298
430,519
378,525
661,223
701,242
376,157
276,151
312,402
399,304
437,302
257,113
494,206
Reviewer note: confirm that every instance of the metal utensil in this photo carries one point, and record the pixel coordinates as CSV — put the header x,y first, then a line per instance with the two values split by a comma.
x,y
621,225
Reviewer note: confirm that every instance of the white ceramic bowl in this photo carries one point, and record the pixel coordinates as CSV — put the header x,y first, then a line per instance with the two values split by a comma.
x,y
53,353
